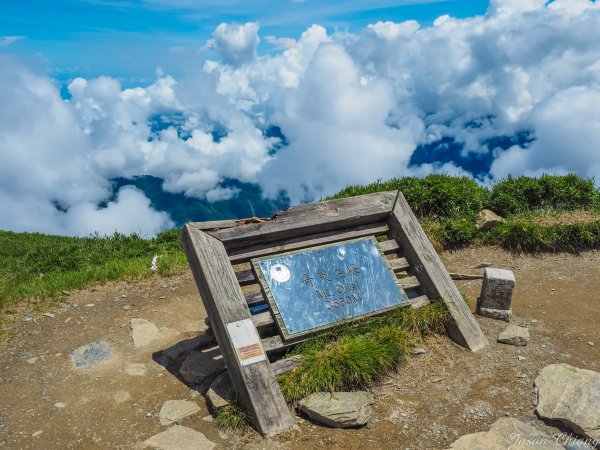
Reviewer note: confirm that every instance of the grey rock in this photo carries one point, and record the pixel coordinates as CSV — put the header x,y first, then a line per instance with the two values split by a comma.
x,y
143,332
91,354
179,438
507,433
173,411
572,396
338,409
488,219
514,335
221,391
419,351
199,366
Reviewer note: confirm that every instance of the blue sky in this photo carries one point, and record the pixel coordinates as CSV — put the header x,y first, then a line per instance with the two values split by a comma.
x,y
129,39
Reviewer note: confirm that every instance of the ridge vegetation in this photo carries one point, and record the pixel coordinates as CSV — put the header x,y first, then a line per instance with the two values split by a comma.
x,y
546,214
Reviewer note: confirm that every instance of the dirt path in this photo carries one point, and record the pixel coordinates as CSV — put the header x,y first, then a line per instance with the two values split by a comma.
x,y
46,402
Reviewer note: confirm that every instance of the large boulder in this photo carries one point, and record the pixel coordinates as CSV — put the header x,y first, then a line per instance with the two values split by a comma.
x,y
572,396
338,409
507,433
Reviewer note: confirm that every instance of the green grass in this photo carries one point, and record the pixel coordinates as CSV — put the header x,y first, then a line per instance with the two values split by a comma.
x,y
35,265
354,356
232,418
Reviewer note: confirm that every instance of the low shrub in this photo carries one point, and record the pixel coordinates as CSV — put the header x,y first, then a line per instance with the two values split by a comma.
x,y
524,194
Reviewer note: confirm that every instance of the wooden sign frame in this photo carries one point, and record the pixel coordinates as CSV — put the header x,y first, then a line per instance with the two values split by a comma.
x,y
230,295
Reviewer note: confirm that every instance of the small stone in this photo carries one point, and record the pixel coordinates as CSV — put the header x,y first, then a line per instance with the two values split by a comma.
x,y
27,319
90,305
50,315
91,354
36,433
488,219
534,321
124,296
338,409
199,366
31,360
174,411
179,438
521,358
126,307
2,380
591,343
149,414
208,418
221,392
514,335
419,351
143,332
67,293
136,369
59,405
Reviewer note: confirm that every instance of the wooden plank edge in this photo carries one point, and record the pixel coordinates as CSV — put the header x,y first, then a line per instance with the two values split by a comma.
x,y
312,218
433,276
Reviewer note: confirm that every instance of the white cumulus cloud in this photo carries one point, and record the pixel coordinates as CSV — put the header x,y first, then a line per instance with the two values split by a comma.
x,y
323,111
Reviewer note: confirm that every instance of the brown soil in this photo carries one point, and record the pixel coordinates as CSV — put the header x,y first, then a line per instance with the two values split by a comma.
x,y
431,401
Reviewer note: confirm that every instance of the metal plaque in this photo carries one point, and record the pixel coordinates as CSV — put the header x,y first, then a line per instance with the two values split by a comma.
x,y
310,290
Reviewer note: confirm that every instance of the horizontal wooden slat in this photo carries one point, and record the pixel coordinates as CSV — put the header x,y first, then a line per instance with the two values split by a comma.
x,y
408,283
398,264
262,320
310,240
274,344
389,246
245,277
255,298
417,302
309,219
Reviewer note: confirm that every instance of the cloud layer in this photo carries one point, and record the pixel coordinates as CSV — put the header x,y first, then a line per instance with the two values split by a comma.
x,y
322,112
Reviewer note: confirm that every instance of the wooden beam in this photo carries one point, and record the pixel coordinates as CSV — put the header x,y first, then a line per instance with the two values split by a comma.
x,y
311,240
214,224
389,246
249,369
309,219
433,276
